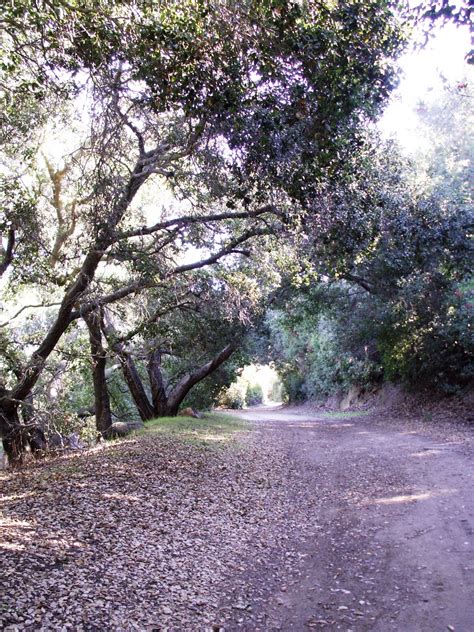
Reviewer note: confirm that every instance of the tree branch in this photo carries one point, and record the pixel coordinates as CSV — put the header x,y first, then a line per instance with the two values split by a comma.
x,y
203,219
22,309
186,383
363,283
8,252
134,288
227,250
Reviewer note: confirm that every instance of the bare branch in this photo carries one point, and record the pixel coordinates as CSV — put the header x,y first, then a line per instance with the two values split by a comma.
x,y
134,129
66,214
135,288
230,248
363,283
153,318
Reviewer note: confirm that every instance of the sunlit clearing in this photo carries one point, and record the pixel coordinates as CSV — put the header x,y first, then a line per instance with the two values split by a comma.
x,y
267,378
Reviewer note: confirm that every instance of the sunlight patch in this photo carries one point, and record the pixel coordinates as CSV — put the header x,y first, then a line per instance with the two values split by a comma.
x,y
410,498
16,496
5,524
403,498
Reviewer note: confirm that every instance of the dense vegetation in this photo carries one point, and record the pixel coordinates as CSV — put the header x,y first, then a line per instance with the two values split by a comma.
x,y
388,291
179,176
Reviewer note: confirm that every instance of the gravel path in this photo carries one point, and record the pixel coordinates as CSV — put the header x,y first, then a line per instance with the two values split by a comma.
x,y
308,522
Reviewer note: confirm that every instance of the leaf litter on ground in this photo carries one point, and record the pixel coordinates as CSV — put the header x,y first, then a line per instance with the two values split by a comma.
x,y
138,534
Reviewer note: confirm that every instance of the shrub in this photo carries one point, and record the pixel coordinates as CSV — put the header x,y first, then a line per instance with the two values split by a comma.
x,y
234,396
254,395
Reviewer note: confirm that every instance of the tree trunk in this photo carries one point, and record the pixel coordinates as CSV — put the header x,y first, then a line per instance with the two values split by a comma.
x,y
6,255
163,404
157,384
103,415
130,373
34,431
135,385
12,431
186,383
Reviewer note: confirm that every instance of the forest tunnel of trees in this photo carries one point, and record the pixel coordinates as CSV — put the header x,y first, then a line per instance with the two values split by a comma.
x,y
188,188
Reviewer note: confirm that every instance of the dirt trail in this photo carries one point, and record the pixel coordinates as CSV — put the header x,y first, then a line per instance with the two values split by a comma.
x,y
381,535
306,523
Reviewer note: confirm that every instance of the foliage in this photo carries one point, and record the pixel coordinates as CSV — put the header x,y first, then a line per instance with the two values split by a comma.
x,y
313,352
175,87
431,344
200,135
205,394
382,282
430,13
254,395
234,397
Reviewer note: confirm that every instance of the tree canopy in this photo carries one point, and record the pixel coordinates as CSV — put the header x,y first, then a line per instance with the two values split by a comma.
x,y
160,158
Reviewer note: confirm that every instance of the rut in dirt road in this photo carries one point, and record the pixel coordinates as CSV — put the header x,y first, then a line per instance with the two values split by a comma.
x,y
380,536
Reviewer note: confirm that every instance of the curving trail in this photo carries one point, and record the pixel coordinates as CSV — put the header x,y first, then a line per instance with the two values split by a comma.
x,y
380,531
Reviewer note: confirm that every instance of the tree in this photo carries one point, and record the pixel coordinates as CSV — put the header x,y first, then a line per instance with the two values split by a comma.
x,y
271,100
103,413
385,279
179,344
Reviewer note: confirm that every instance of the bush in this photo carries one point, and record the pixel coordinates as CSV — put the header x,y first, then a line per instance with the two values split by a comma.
x,y
234,396
254,395
432,347
320,354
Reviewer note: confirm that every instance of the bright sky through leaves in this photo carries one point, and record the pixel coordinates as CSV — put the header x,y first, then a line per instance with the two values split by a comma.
x,y
425,73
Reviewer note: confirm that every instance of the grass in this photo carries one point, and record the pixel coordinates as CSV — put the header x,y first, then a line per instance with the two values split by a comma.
x,y
213,429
